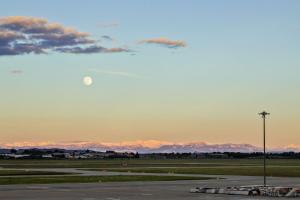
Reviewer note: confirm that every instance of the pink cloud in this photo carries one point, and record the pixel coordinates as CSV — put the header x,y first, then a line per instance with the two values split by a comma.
x,y
24,35
165,42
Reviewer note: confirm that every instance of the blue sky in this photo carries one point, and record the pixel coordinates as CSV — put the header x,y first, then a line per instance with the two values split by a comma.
x,y
240,57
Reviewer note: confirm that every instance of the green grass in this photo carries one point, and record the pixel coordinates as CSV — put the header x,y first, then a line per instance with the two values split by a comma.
x,y
91,179
251,167
143,163
279,171
28,173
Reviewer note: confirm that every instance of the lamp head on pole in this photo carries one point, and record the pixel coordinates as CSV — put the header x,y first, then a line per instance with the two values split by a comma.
x,y
263,114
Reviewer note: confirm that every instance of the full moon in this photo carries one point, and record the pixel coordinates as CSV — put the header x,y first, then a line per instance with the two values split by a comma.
x,y
87,80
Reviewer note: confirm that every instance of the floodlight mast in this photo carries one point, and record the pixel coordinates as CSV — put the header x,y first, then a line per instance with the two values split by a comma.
x,y
263,114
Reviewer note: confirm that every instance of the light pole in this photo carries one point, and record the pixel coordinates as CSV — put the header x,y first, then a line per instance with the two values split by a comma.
x,y
263,114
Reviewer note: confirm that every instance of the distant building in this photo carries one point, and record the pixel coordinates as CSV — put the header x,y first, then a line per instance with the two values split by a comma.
x,y
16,155
47,156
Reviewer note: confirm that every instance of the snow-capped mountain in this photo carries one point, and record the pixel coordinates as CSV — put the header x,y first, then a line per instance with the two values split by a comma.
x,y
148,146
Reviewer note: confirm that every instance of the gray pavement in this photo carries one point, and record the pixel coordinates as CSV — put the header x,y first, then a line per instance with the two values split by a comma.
x,y
174,190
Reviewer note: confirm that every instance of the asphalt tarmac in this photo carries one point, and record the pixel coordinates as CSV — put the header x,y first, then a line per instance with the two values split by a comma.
x,y
174,190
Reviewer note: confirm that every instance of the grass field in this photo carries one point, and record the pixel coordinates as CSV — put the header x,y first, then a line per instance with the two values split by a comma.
x,y
28,173
251,167
280,171
91,179
143,163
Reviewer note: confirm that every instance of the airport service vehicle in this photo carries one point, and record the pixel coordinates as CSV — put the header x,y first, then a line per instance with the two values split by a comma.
x,y
251,190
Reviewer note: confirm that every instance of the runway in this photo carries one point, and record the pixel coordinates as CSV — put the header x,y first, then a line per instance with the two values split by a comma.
x,y
174,190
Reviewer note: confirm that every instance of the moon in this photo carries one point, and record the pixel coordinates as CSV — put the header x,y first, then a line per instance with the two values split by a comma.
x,y
87,80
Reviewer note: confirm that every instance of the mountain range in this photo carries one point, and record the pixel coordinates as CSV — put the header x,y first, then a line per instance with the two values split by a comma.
x,y
149,146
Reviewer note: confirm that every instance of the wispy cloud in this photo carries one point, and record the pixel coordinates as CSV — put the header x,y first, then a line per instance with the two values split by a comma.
x,y
165,42
109,25
23,35
116,73
107,37
91,49
16,71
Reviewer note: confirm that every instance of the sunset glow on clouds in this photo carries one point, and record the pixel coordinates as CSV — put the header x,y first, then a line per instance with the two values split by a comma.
x,y
165,42
23,35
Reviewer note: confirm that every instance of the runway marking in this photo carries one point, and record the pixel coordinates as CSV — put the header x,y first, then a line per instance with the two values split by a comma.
x,y
146,194
68,190
37,187
252,199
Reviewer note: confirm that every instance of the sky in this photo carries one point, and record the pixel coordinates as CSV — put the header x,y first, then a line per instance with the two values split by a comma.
x,y
176,71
